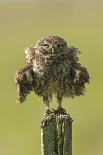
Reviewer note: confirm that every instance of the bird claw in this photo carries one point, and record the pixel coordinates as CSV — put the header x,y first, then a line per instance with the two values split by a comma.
x,y
49,110
60,110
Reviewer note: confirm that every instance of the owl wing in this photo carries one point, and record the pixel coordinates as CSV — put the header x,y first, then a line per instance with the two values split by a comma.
x,y
24,82
79,76
29,54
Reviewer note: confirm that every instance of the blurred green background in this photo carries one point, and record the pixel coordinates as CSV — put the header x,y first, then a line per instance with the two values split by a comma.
x,y
80,23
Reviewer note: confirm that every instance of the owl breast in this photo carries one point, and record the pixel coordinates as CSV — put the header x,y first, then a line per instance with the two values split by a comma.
x,y
51,78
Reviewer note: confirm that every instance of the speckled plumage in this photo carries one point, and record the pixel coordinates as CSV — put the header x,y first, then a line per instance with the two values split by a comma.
x,y
51,68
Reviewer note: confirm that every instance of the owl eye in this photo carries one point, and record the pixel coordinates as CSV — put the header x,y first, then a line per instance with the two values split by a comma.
x,y
46,45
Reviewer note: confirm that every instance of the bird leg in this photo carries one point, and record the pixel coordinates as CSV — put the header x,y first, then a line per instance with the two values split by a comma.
x,y
59,101
59,104
46,102
60,109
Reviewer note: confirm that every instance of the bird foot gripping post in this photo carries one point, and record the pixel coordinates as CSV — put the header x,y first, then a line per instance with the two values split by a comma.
x,y
53,68
56,134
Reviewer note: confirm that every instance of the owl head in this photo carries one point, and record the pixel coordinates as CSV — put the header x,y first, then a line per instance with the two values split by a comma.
x,y
50,48
51,45
46,46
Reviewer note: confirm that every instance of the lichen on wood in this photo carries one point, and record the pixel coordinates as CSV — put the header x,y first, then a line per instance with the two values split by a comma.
x,y
56,134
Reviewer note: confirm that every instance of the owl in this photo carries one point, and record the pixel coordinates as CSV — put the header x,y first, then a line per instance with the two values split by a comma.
x,y
51,68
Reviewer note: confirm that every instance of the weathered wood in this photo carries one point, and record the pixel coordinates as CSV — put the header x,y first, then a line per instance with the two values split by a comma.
x,y
56,134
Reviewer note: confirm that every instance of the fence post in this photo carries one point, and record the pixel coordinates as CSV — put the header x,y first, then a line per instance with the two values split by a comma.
x,y
56,134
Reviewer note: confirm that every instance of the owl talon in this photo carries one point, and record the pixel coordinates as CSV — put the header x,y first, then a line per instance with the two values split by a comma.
x,y
49,110
61,110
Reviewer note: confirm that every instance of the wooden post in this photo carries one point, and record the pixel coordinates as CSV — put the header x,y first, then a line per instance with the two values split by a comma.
x,y
56,134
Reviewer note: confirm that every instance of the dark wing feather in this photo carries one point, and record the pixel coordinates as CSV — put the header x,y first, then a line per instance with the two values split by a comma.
x,y
79,75
79,78
24,82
